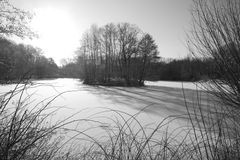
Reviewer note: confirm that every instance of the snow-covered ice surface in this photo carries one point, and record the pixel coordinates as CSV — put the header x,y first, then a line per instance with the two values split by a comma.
x,y
155,101
185,85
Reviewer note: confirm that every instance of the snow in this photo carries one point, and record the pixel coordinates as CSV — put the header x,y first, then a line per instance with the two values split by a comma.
x,y
155,101
185,85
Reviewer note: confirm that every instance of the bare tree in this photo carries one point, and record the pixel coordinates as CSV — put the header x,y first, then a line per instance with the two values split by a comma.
x,y
148,52
216,34
128,41
109,54
14,21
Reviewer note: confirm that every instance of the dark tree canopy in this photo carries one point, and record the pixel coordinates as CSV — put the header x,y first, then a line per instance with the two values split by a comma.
x,y
18,60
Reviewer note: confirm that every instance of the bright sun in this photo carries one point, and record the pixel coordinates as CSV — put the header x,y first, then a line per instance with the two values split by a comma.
x,y
58,36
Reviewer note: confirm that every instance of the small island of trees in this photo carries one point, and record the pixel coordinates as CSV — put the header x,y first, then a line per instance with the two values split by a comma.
x,y
116,54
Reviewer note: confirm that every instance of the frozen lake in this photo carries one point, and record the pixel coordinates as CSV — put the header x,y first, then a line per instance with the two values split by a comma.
x,y
155,101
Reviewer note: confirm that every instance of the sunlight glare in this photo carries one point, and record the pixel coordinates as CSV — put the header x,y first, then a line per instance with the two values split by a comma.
x,y
58,36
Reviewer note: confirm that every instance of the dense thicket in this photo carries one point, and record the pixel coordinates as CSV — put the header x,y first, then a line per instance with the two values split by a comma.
x,y
116,54
18,60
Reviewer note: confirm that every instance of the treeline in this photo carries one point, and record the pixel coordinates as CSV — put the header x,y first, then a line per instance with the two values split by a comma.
x,y
106,67
24,61
121,54
70,69
116,54
186,69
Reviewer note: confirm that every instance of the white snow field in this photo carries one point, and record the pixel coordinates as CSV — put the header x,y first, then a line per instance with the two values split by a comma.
x,y
154,102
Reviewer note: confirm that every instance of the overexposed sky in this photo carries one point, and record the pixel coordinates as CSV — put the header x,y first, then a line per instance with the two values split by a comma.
x,y
60,23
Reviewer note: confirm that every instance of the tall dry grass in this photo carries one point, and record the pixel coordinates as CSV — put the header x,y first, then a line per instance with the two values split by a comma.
x,y
26,132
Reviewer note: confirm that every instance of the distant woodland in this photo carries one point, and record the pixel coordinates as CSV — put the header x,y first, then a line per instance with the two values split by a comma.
x,y
107,67
113,54
186,69
24,61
